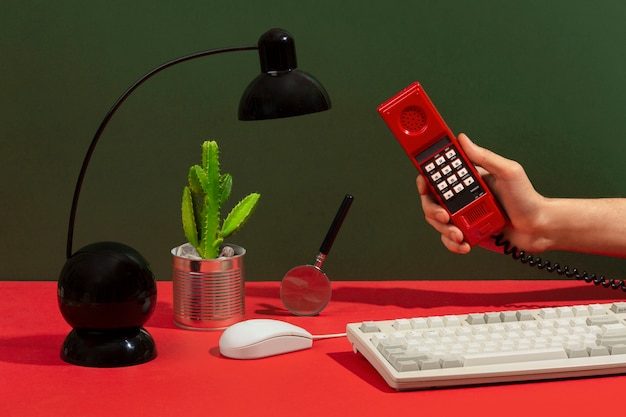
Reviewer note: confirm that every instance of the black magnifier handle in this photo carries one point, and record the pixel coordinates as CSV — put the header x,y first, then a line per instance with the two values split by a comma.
x,y
336,225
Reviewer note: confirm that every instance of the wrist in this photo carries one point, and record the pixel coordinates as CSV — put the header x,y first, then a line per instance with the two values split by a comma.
x,y
532,227
548,224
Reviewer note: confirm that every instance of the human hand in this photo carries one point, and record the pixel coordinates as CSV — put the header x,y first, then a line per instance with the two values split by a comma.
x,y
509,183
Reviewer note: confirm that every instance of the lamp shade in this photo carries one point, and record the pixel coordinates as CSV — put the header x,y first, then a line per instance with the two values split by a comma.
x,y
281,90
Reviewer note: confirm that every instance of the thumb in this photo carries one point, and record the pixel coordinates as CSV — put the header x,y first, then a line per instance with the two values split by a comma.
x,y
484,158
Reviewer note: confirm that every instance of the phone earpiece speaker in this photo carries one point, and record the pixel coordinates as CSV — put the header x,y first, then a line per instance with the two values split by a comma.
x,y
413,119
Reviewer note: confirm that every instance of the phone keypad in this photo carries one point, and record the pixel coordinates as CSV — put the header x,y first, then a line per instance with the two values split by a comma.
x,y
450,176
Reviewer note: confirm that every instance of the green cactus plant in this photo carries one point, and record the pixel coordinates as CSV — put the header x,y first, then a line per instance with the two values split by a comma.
x,y
202,203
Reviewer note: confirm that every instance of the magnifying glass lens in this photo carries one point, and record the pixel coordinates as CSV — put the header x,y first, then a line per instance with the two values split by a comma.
x,y
305,290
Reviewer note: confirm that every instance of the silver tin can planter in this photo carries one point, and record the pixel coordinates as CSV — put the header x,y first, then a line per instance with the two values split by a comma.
x,y
208,293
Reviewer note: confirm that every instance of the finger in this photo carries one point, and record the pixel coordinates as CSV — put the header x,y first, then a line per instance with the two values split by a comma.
x,y
453,246
442,228
432,210
450,232
482,157
430,206
422,188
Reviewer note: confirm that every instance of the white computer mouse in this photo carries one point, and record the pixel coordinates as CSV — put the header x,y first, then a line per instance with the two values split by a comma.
x,y
259,338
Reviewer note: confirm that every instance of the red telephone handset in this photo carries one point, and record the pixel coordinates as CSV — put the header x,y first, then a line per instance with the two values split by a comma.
x,y
439,158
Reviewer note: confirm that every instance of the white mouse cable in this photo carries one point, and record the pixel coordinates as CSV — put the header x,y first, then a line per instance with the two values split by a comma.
x,y
328,336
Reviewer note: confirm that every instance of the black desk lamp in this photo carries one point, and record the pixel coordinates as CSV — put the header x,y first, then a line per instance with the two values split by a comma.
x,y
106,290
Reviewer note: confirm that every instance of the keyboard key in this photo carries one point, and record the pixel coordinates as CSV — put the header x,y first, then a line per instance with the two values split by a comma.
x,y
619,307
427,364
407,361
452,321
577,352
406,366
595,309
613,329
391,353
598,351
548,313
524,315
492,317
580,311
435,322
369,327
384,345
451,363
475,318
525,355
508,316
618,349
600,320
402,324
419,323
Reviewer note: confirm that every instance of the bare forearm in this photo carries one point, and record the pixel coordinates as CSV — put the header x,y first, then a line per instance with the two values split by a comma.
x,y
595,226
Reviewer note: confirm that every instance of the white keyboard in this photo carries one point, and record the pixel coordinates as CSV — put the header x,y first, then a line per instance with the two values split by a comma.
x,y
495,347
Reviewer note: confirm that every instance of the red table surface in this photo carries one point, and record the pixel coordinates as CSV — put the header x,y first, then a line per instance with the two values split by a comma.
x,y
190,378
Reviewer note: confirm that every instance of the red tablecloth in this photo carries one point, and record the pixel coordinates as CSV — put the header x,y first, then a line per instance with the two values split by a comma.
x,y
190,378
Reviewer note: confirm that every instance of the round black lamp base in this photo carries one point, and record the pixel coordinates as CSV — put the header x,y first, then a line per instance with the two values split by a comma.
x,y
108,349
106,293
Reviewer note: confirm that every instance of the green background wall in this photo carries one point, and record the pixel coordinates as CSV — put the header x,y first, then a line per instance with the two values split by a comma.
x,y
537,81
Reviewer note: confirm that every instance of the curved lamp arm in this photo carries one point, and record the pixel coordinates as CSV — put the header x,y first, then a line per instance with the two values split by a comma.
x,y
111,112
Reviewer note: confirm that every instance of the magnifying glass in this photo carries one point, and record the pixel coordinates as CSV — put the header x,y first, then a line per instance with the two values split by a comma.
x,y
305,290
